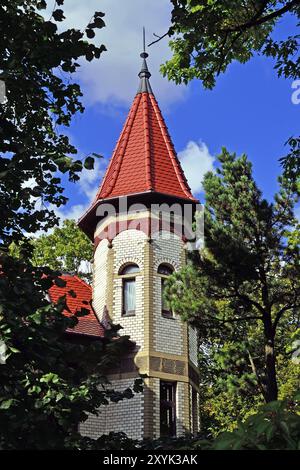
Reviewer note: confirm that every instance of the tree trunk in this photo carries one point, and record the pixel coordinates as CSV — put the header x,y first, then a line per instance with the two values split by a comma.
x,y
271,392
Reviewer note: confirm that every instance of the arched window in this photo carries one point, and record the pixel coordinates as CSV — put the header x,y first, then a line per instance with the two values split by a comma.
x,y
164,271
128,274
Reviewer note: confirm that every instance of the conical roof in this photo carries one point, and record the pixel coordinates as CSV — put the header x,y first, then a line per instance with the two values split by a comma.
x,y
144,159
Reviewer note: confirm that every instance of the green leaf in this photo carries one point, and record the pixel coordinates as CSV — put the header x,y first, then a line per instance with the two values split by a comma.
x,y
58,15
14,350
98,23
6,404
90,33
60,282
89,163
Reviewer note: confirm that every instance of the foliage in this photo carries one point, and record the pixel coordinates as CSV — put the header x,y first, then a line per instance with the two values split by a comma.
x,y
208,35
291,163
243,287
275,426
48,382
229,390
67,249
37,62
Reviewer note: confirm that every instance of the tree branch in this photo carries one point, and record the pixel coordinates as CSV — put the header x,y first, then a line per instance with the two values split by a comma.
x,y
256,21
252,302
254,370
159,38
233,320
224,55
281,312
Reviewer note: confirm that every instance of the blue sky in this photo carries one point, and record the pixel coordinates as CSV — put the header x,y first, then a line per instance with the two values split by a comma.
x,y
250,110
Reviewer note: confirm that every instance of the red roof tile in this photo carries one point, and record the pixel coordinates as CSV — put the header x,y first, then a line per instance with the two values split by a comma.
x,y
87,325
144,158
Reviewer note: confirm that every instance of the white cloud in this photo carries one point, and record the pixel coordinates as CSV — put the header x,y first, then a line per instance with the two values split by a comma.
x,y
90,179
196,161
112,80
72,212
88,186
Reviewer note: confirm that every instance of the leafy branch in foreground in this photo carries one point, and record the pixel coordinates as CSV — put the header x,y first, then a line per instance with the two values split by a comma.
x,y
207,36
50,381
48,384
37,62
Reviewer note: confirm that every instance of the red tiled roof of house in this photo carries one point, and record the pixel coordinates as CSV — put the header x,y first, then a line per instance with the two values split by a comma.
x,y
89,324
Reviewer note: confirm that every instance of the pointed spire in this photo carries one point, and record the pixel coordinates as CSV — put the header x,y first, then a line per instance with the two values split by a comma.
x,y
144,74
144,161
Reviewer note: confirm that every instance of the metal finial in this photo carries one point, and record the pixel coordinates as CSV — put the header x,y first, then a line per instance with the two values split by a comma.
x,y
144,54
144,74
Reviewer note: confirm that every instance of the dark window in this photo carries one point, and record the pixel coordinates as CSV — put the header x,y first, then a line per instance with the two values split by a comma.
x,y
166,221
166,311
194,411
164,270
129,289
167,409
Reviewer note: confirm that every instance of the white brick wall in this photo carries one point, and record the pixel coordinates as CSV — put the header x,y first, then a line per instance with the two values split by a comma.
x,y
126,416
180,429
100,278
197,424
168,332
129,247
156,409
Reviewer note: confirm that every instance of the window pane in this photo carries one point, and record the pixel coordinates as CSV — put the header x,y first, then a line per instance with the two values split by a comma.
x,y
129,295
165,270
166,392
166,310
130,269
167,409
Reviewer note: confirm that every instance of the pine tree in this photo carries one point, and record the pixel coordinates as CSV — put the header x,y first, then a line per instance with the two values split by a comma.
x,y
248,273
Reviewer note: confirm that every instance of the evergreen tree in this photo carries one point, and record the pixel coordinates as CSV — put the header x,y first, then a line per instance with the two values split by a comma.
x,y
244,286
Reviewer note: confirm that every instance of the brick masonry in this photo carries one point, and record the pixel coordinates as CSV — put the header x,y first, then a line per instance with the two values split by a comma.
x,y
129,247
169,338
126,416
168,332
100,278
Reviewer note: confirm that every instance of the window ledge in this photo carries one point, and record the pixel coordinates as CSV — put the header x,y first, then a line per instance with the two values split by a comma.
x,y
168,315
128,314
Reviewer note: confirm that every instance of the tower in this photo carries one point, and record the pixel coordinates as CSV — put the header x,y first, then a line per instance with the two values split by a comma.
x,y
136,224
